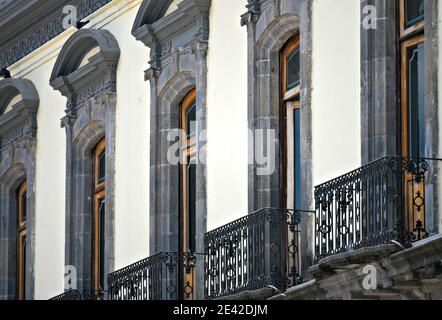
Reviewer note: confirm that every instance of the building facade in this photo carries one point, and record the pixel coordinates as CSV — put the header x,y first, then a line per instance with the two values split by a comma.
x,y
231,144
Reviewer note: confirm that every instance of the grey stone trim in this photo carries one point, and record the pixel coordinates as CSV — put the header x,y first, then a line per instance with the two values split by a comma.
x,y
269,25
432,125
179,45
379,95
150,12
18,129
99,75
252,295
380,100
90,116
189,23
410,274
25,25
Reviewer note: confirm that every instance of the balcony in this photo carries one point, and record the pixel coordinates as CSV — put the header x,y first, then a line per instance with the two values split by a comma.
x,y
164,276
373,205
383,202
255,251
81,295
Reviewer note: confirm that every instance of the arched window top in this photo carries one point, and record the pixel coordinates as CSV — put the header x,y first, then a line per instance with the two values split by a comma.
x,y
87,57
173,6
17,91
86,45
153,10
12,103
290,68
188,113
277,33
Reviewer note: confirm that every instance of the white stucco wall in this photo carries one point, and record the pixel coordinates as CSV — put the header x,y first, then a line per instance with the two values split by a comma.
x,y
50,170
132,150
335,113
227,114
336,88
132,141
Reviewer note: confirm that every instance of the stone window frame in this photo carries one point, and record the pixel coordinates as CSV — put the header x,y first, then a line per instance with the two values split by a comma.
x,y
270,24
18,140
380,91
178,44
90,116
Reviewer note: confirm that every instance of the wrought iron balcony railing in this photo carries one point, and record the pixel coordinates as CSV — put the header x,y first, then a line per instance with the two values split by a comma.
x,y
372,205
164,276
81,295
255,251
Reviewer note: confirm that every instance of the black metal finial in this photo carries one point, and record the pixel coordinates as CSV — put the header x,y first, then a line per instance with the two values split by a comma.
x,y
5,73
81,24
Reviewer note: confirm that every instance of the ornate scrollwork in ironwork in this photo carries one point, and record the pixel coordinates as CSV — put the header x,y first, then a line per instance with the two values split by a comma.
x,y
249,253
165,276
81,295
374,204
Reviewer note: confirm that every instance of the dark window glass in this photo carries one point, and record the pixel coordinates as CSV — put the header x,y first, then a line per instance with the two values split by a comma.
x,y
23,207
191,120
414,12
23,267
191,205
416,112
293,70
297,143
102,167
101,243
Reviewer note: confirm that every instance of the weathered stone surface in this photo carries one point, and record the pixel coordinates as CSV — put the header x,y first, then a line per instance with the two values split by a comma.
x,y
331,264
410,274
260,294
414,273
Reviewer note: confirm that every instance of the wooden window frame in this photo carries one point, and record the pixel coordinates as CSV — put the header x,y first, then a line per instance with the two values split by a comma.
x,y
291,45
404,31
21,238
408,37
188,151
99,149
405,45
287,101
99,193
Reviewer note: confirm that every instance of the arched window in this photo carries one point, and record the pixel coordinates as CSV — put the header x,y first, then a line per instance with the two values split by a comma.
x,y
21,206
188,174
85,73
98,217
290,113
412,114
411,19
19,103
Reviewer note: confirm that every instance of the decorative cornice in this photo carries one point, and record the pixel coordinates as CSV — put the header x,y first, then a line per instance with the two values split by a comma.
x,y
96,77
190,16
253,12
151,74
26,25
254,6
21,122
200,49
